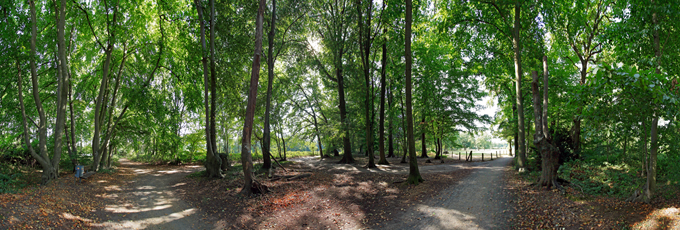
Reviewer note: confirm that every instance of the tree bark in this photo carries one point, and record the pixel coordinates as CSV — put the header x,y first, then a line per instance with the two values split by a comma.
x,y
423,143
390,135
383,86
63,81
212,162
654,146
347,147
101,97
266,138
246,157
41,156
365,45
521,159
74,150
549,152
414,175
404,144
213,92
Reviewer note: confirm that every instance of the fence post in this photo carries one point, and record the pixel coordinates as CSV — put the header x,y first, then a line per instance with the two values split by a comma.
x,y
482,156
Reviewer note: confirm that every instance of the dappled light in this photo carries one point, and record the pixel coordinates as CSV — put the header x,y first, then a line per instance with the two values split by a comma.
x,y
665,218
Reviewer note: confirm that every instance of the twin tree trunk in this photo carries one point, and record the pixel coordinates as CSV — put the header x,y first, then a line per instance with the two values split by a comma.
x,y
549,152
246,157
266,137
365,44
213,162
50,167
413,175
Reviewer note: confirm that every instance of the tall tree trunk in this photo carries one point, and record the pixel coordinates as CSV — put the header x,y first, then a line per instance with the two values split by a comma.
x,y
423,143
414,175
246,157
101,101
365,45
212,162
41,156
347,147
283,142
404,141
266,138
69,147
390,135
651,166
550,154
105,157
213,92
74,151
521,159
383,82
63,81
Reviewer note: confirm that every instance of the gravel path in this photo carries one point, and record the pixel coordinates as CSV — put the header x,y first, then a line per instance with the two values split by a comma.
x,y
477,202
150,201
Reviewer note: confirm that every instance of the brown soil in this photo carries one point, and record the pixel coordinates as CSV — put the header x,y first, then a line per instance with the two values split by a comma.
x,y
335,196
538,208
61,204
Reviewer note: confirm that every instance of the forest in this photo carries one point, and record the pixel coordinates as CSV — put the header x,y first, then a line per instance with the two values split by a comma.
x,y
262,104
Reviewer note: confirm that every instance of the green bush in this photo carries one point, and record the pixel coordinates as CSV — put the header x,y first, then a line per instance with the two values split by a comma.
x,y
601,178
11,178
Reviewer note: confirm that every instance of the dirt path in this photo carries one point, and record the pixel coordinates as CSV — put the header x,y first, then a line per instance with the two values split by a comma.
x,y
477,202
150,200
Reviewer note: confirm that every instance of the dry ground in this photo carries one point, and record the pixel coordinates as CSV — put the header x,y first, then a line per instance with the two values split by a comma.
x,y
335,196
538,208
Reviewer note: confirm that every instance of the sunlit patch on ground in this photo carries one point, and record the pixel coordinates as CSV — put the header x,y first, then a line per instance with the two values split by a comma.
x,y
144,223
666,218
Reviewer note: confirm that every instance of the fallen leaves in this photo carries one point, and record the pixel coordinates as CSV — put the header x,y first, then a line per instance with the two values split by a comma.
x,y
537,208
48,206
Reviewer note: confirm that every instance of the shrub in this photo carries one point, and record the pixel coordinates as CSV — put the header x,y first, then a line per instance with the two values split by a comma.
x,y
11,178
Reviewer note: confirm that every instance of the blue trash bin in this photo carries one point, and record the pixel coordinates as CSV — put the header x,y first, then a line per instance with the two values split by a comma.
x,y
79,171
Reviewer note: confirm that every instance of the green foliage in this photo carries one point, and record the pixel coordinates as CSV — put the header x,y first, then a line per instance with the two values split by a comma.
x,y
11,178
107,171
601,178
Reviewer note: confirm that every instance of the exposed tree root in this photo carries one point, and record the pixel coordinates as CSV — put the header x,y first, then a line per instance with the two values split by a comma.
x,y
290,178
258,188
346,161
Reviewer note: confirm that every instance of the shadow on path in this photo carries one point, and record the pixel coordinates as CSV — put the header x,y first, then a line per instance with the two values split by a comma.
x,y
150,200
476,202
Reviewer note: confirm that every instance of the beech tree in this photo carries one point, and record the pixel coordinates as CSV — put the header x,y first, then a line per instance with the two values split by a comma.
x,y
246,157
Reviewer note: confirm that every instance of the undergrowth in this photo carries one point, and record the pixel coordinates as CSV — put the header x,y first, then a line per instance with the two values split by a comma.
x,y
12,179
617,180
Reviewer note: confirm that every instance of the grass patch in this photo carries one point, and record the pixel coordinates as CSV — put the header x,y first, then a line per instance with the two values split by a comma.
x,y
107,171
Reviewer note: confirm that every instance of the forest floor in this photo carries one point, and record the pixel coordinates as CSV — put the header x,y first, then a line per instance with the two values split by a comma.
x,y
455,195
538,208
